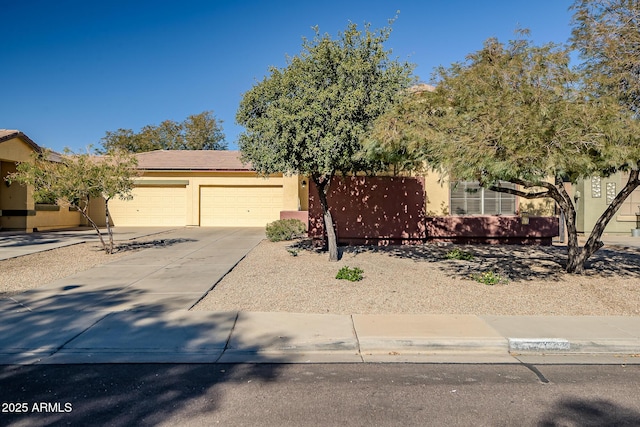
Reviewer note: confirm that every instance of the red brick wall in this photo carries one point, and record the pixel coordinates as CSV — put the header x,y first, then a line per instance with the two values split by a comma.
x,y
390,210
372,210
492,229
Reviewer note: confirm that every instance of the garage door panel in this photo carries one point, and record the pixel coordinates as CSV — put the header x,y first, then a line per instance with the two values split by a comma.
x,y
240,206
151,206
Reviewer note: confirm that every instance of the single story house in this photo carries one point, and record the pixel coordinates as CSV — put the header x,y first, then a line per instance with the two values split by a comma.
x,y
214,188
18,211
204,188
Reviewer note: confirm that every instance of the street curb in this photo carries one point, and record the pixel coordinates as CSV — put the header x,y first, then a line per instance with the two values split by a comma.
x,y
573,347
538,344
433,345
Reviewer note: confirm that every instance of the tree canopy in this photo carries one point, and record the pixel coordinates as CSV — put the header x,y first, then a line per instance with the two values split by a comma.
x,y
607,35
310,117
73,179
197,132
518,113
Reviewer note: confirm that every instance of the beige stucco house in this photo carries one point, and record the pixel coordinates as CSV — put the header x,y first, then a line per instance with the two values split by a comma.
x,y
18,211
204,188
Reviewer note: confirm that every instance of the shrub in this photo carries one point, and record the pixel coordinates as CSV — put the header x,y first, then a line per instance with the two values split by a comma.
x,y
350,274
489,278
459,254
285,229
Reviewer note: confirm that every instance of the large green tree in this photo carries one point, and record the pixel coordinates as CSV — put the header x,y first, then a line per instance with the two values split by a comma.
x,y
73,179
310,117
519,113
197,132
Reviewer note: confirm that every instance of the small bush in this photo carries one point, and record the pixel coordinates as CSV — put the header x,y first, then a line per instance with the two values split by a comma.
x,y
350,274
458,254
292,251
285,229
489,278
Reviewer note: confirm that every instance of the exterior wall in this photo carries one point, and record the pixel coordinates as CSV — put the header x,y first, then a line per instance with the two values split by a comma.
x,y
590,206
437,195
15,150
492,229
19,211
391,210
372,210
51,217
438,199
302,216
13,200
293,193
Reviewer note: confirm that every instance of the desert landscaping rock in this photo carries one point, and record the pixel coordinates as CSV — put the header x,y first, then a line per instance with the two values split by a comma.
x,y
31,271
397,280
420,280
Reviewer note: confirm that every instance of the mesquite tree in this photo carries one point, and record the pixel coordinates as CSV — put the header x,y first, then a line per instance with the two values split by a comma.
x,y
73,179
310,117
519,113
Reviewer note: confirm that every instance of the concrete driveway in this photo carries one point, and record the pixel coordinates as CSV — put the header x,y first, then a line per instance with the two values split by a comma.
x,y
127,294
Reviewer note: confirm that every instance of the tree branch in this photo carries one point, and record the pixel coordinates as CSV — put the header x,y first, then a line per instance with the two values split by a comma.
x,y
520,193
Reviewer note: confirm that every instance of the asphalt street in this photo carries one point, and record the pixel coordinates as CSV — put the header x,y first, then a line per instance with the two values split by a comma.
x,y
320,395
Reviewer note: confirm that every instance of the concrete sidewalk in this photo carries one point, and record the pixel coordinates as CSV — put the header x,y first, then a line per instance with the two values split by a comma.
x,y
136,310
68,337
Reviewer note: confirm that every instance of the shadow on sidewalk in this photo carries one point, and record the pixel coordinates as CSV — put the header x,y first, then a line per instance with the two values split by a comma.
x,y
116,394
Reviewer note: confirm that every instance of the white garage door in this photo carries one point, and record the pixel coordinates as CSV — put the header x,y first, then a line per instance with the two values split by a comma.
x,y
151,207
240,206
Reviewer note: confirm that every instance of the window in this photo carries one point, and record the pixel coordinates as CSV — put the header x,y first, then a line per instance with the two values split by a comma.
x,y
469,198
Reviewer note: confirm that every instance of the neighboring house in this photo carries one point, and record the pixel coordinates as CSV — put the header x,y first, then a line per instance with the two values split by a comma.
x,y
17,208
203,188
592,196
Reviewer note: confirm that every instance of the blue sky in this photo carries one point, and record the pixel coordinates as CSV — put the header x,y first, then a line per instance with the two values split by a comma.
x,y
71,70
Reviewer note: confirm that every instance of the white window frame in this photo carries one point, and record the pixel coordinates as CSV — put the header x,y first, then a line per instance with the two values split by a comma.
x,y
459,206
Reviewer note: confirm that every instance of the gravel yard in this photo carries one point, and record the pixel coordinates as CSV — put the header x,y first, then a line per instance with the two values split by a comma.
x,y
411,280
420,279
31,271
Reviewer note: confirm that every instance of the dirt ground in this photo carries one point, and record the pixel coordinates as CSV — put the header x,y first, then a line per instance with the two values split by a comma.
x,y
286,276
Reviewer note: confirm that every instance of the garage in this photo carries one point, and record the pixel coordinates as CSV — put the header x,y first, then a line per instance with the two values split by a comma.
x,y
151,206
240,206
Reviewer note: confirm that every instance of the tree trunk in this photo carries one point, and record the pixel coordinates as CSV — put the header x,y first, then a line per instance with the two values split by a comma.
x,y
83,212
576,256
568,209
323,184
109,231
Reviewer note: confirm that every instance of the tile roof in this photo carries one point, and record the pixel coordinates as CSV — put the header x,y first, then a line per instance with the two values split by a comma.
x,y
7,134
202,160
